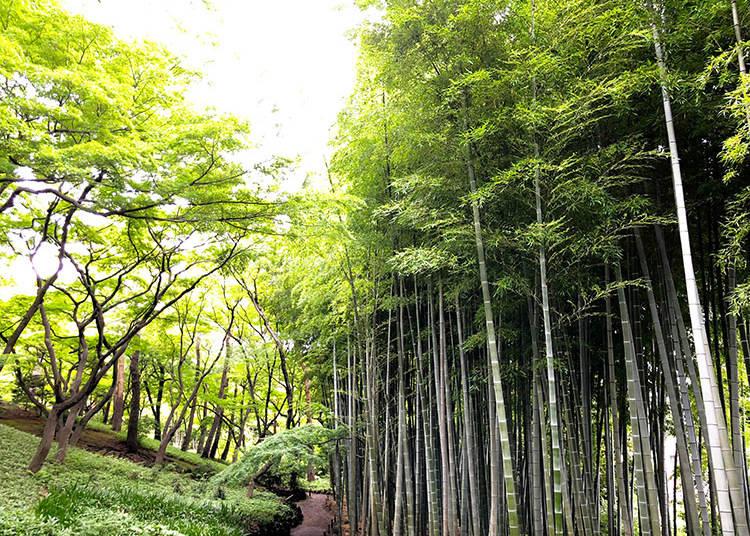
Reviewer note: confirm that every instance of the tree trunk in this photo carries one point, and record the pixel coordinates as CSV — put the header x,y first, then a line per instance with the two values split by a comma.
x,y
648,503
209,448
537,429
308,401
351,502
622,488
473,499
135,402
740,57
729,494
64,434
682,352
157,405
433,510
500,413
48,436
202,428
444,410
688,486
194,406
398,506
557,453
118,398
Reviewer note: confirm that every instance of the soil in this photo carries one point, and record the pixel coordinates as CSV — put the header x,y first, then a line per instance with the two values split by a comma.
x,y
92,440
317,510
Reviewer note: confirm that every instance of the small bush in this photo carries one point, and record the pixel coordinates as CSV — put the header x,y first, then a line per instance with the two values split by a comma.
x,y
320,484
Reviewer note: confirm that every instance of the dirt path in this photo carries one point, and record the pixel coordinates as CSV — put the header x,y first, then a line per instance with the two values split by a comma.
x,y
317,516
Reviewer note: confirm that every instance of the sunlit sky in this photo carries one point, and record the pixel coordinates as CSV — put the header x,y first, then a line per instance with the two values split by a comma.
x,y
287,66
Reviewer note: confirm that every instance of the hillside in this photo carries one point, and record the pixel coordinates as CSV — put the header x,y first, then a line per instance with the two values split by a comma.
x,y
93,494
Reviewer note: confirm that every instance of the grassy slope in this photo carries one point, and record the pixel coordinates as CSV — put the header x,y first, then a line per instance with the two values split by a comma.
x,y
92,494
192,459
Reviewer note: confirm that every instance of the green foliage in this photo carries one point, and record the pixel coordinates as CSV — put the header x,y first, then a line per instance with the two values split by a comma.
x,y
81,508
82,103
15,522
193,460
289,451
98,495
108,167
421,261
320,484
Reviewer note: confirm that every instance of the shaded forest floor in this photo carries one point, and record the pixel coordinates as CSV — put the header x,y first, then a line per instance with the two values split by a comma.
x,y
110,496
107,442
317,509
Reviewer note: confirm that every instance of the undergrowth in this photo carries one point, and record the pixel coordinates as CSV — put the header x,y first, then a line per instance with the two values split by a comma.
x,y
95,495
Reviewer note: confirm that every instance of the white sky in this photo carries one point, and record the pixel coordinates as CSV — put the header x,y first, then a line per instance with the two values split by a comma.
x,y
287,66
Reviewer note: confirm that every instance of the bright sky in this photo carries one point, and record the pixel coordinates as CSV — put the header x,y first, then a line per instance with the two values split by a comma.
x,y
287,66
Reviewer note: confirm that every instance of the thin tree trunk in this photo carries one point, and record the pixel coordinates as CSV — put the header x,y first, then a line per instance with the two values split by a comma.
x,y
209,448
351,505
135,402
430,465
118,398
682,351
537,429
688,487
438,346
729,494
373,489
734,390
398,507
557,454
648,508
473,489
622,488
511,501
408,469
194,406
449,477
740,57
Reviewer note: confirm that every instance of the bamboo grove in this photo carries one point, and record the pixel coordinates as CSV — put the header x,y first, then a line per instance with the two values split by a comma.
x,y
519,295
547,264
